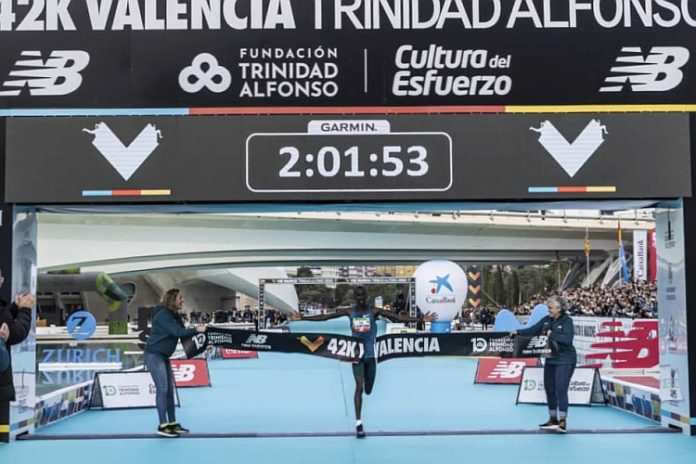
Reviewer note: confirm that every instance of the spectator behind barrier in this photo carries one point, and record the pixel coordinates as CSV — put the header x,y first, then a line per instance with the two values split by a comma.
x,y
635,300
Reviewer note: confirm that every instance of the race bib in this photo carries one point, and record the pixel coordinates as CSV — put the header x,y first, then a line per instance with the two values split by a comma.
x,y
361,324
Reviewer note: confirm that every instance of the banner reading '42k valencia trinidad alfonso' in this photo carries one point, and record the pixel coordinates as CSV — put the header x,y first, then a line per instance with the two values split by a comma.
x,y
328,53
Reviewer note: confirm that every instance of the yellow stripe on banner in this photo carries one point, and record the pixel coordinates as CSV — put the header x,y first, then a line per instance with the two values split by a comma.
x,y
154,193
602,109
4,429
601,189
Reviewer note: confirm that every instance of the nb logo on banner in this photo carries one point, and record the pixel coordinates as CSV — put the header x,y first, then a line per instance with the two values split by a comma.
x,y
257,339
184,373
659,71
58,75
538,343
508,370
205,73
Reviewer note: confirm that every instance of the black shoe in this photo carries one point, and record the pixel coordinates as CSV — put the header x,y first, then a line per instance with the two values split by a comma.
x,y
359,432
167,431
551,424
176,427
562,426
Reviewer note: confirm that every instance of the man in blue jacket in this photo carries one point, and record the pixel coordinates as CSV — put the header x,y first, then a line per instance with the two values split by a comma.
x,y
560,365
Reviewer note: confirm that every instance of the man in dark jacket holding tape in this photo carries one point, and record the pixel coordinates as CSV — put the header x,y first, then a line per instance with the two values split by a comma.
x,y
560,365
15,325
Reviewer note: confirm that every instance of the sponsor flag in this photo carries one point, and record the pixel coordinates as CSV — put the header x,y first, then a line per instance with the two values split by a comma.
x,y
587,247
640,255
625,277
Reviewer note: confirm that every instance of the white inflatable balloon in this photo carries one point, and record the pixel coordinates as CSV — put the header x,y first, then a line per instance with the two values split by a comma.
x,y
441,288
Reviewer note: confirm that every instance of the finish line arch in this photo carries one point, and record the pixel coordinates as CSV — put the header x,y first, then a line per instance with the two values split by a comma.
x,y
118,125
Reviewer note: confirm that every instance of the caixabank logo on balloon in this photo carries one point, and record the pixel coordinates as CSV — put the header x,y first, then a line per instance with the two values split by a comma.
x,y
441,291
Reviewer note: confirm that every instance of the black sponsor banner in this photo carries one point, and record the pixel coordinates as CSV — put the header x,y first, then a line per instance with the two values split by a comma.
x,y
193,53
368,158
327,345
345,348
479,344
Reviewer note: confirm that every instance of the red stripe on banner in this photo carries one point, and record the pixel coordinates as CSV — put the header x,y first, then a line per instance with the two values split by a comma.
x,y
572,189
227,353
348,110
125,193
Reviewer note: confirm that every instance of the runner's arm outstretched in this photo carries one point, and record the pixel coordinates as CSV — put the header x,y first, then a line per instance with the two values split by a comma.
x,y
296,316
403,318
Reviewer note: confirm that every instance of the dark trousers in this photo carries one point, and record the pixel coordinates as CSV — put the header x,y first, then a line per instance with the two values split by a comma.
x,y
556,383
4,421
161,370
4,356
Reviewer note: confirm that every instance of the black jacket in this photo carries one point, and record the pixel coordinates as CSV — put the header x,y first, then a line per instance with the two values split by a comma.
x,y
167,329
19,322
561,338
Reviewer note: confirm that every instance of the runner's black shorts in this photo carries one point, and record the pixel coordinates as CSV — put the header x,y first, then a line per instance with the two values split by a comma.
x,y
365,371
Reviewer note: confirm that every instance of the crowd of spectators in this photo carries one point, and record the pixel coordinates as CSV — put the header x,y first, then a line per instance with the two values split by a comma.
x,y
632,300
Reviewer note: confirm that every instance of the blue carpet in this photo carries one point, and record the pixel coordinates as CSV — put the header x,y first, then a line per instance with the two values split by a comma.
x,y
295,393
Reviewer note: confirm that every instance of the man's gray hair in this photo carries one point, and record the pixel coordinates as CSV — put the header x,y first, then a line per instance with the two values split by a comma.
x,y
557,301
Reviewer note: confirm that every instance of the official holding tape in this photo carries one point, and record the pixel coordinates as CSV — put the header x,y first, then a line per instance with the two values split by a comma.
x,y
15,326
167,329
560,365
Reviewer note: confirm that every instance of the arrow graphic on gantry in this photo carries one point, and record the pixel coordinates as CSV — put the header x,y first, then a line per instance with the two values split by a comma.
x,y
572,156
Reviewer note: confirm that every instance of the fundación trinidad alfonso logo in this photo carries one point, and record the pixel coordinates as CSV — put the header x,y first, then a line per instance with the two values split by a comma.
x,y
126,159
312,345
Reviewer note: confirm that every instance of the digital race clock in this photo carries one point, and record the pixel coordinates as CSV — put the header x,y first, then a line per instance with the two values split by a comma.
x,y
349,158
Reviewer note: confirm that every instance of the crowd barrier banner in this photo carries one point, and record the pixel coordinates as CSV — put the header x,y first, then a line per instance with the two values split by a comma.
x,y
502,371
617,343
585,387
351,349
61,404
191,373
123,390
226,353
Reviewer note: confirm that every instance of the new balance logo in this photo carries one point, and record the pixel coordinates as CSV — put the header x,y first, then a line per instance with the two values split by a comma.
x,y
125,159
257,339
184,373
538,342
508,370
658,71
58,75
